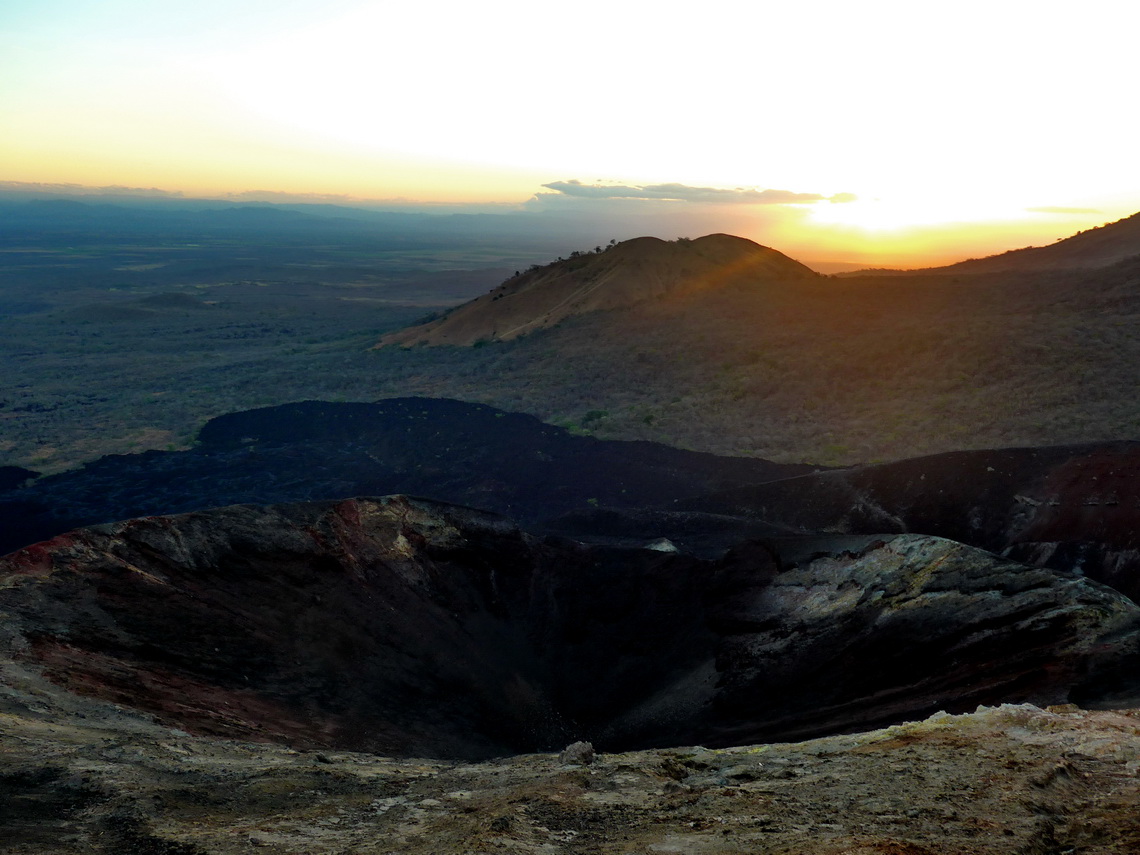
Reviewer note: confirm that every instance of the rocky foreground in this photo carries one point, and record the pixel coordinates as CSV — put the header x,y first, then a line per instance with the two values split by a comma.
x,y
397,675
86,777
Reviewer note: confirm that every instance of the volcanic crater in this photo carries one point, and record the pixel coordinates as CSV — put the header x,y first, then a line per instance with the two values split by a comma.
x,y
409,627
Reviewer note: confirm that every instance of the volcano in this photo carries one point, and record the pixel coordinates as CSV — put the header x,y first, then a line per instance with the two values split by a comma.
x,y
635,271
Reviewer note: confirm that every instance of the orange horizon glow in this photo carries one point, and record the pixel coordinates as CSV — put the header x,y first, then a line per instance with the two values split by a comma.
x,y
806,233
923,244
460,104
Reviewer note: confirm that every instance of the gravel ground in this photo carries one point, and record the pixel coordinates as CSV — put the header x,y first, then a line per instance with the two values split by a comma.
x,y
78,775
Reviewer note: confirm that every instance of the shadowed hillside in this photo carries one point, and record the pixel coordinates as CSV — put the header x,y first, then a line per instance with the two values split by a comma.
x,y
506,462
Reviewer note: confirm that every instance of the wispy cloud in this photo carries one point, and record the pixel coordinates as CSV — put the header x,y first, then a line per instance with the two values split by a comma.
x,y
686,193
1054,209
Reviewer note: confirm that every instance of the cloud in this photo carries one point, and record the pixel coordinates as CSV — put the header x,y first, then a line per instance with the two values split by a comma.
x,y
1053,209
685,193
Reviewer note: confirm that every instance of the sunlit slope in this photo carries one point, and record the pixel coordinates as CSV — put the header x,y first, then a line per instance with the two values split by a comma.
x,y
1097,247
624,275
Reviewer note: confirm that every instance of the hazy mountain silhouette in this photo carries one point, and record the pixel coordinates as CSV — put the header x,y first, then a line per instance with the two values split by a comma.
x,y
625,274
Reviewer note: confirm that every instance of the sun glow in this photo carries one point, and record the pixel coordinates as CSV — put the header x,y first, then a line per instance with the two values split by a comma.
x,y
895,214
912,232
455,102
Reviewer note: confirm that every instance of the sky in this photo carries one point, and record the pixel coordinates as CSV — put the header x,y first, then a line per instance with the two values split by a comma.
x,y
882,131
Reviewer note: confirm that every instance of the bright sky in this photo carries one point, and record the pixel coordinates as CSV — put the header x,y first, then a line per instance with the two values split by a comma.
x,y
961,128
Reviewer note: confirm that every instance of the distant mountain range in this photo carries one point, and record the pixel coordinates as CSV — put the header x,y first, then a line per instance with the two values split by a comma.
x,y
32,220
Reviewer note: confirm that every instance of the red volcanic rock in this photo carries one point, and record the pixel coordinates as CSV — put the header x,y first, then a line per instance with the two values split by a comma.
x,y
1085,512
334,624
410,627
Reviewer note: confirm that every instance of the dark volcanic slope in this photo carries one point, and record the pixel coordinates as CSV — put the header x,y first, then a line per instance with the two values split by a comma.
x,y
459,452
624,275
12,477
1065,507
413,628
1068,507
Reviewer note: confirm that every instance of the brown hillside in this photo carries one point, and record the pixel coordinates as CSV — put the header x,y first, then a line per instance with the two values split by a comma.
x,y
825,370
624,275
1097,247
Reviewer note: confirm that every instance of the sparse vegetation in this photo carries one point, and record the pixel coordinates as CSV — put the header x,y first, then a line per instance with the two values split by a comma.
x,y
836,371
94,365
829,370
